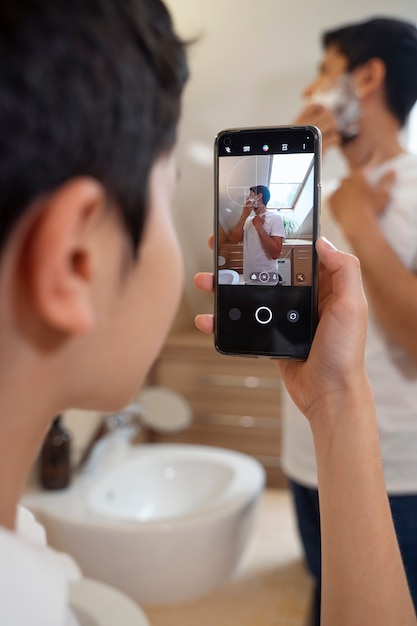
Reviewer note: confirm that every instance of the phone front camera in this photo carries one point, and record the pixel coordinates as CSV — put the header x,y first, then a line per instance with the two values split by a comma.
x,y
227,141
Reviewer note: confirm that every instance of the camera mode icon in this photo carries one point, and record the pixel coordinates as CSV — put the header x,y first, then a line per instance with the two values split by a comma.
x,y
293,316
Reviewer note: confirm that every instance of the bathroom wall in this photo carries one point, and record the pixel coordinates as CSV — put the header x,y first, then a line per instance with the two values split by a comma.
x,y
249,65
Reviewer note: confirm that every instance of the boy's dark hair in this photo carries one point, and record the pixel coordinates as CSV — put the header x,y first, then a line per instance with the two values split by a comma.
x,y
88,87
264,191
395,43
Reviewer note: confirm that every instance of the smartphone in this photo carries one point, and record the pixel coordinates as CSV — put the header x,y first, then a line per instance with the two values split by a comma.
x,y
267,208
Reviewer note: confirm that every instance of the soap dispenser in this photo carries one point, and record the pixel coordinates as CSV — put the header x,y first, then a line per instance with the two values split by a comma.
x,y
55,457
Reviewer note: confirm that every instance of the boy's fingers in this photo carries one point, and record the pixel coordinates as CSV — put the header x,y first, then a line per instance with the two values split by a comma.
x,y
205,323
204,281
345,271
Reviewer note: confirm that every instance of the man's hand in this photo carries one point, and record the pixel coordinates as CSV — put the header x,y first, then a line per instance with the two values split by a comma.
x,y
356,200
258,221
247,208
318,115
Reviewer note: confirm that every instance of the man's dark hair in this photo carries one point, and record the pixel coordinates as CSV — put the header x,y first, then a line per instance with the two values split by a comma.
x,y
395,43
88,87
264,191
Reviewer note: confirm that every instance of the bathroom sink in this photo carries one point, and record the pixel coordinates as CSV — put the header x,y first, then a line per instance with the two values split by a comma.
x,y
167,484
166,524
228,277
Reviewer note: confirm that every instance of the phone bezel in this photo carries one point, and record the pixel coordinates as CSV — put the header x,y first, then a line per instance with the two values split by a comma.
x,y
273,132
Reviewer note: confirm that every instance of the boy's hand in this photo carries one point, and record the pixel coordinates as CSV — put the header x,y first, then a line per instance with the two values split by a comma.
x,y
336,359
205,282
335,364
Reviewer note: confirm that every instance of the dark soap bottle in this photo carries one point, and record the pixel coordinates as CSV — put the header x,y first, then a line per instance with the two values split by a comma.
x,y
55,457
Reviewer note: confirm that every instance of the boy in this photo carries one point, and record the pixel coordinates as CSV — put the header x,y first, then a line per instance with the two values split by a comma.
x,y
89,104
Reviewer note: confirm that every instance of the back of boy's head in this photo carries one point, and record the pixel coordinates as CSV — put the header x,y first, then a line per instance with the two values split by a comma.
x,y
88,87
395,43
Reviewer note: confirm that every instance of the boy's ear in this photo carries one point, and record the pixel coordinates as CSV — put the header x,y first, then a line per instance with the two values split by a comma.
x,y
370,78
59,255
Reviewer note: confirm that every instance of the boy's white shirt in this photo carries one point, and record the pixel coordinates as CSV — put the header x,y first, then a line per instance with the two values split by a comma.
x,y
34,579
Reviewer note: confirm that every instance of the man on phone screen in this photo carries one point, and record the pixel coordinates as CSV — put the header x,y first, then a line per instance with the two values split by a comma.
x,y
262,232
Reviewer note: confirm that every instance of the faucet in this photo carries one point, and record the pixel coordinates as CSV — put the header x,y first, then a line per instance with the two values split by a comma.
x,y
127,420
157,409
114,431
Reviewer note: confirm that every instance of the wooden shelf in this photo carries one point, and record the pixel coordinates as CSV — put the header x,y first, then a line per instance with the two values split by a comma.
x,y
236,401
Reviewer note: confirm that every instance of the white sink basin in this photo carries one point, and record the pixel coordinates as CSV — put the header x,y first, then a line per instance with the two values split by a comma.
x,y
167,524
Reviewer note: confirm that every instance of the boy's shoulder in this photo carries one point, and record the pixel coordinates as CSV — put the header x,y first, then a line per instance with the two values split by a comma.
x,y
35,575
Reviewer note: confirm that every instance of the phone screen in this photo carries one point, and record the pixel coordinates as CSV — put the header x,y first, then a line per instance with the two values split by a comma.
x,y
267,203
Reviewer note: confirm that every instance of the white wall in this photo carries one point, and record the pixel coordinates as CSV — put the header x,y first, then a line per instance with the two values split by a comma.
x,y
249,66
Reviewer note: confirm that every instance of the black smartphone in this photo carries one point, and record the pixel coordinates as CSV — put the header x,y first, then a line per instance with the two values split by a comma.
x,y
267,207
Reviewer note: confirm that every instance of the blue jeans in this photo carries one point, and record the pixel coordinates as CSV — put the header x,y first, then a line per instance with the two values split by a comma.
x,y
404,513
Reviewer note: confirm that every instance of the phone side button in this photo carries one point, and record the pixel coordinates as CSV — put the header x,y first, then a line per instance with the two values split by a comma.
x,y
263,315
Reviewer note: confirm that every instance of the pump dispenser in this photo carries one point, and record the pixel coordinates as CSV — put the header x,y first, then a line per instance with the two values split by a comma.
x,y
55,457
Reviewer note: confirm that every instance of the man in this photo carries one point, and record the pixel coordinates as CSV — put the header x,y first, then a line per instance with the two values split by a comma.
x,y
89,105
263,234
363,93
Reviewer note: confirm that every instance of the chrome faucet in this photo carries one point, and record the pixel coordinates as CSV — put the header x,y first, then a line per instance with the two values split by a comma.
x,y
127,418
123,425
156,408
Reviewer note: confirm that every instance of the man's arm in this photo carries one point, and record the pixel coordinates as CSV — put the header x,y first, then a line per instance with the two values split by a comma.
x,y
272,245
390,285
236,236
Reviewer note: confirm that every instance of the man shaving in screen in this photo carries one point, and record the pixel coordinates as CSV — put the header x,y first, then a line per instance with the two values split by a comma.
x,y
262,232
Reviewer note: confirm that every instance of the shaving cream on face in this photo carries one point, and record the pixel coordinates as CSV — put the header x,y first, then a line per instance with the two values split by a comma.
x,y
341,100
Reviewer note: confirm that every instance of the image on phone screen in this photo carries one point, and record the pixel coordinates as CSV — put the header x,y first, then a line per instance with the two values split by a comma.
x,y
267,213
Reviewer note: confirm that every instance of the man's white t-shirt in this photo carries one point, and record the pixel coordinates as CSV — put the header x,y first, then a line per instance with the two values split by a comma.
x,y
34,579
254,257
392,373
